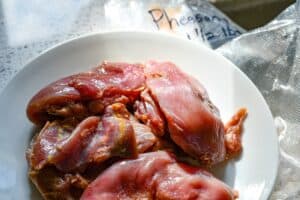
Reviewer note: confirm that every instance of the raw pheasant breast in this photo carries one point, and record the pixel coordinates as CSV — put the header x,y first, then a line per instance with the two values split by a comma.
x,y
156,175
119,130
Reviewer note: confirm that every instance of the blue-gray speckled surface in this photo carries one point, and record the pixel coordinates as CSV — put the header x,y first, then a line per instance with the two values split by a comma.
x,y
29,27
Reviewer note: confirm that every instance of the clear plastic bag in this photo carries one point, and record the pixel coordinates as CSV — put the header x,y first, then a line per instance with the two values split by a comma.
x,y
270,56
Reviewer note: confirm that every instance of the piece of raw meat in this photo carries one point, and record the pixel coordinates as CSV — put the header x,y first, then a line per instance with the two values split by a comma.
x,y
145,139
159,176
147,111
193,121
54,184
92,141
87,93
118,110
233,130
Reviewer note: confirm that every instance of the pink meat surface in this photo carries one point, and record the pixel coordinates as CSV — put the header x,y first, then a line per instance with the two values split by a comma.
x,y
145,139
86,93
118,110
156,175
162,97
193,121
92,141
148,112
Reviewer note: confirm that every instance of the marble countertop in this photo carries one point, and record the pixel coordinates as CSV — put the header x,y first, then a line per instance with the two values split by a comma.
x,y
29,27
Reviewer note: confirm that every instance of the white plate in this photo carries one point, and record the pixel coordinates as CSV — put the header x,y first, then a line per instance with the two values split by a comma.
x,y
253,173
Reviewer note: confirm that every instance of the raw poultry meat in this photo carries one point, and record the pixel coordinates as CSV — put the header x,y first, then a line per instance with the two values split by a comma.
x,y
94,140
193,121
156,175
162,96
145,138
87,93
233,129
120,111
147,111
57,185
